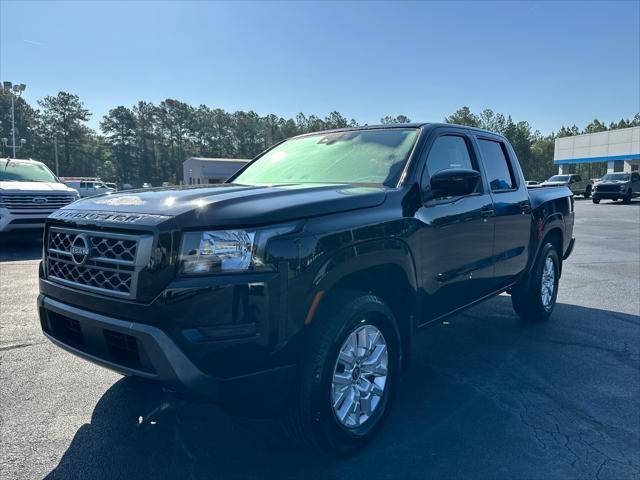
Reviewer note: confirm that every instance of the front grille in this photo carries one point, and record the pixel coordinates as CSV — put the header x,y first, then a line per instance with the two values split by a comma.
x,y
93,277
108,263
608,188
24,203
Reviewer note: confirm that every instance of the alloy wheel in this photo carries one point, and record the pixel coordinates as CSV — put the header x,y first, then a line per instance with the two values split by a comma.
x,y
359,376
548,282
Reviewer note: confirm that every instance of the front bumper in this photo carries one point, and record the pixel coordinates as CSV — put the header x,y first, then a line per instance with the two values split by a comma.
x,y
12,221
143,350
610,195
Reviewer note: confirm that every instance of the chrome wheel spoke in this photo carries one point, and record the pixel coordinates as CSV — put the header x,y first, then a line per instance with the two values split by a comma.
x,y
339,398
376,389
365,405
341,379
375,357
347,406
347,356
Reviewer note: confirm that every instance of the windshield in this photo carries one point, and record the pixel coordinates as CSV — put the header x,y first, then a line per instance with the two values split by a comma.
x,y
559,178
360,156
16,171
617,176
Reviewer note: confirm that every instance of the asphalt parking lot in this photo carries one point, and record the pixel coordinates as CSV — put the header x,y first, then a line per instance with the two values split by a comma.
x,y
488,396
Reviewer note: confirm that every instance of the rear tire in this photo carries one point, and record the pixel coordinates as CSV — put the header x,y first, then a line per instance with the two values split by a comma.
x,y
535,298
336,375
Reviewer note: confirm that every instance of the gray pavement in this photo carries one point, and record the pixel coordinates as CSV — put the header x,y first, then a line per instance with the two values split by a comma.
x,y
488,396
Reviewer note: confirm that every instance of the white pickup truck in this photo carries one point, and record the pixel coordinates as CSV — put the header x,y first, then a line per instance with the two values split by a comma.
x,y
572,180
29,193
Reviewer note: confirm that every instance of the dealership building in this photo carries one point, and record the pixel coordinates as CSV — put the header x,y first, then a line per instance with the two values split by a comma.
x,y
619,149
201,170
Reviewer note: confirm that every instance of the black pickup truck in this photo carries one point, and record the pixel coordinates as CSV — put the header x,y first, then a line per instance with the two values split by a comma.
x,y
295,289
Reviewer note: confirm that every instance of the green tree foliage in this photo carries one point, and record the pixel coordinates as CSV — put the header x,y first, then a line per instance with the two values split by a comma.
x,y
595,126
64,118
119,126
399,119
148,143
463,116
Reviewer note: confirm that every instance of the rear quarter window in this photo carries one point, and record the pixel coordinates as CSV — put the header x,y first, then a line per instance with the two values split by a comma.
x,y
496,163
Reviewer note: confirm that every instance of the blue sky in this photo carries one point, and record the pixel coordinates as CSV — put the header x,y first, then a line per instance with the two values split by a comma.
x,y
550,63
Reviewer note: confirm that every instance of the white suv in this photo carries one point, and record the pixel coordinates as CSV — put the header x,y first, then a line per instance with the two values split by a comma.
x,y
29,192
89,187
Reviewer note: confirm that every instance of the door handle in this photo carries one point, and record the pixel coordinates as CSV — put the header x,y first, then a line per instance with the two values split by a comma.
x,y
487,212
525,207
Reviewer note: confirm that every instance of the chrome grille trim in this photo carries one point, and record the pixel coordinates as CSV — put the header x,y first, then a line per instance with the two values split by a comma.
x,y
111,268
19,202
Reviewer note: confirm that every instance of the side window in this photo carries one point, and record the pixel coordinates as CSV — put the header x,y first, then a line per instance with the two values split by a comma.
x,y
448,151
635,177
577,178
499,170
83,185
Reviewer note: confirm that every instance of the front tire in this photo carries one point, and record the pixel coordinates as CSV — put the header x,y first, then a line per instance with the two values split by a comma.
x,y
536,297
595,200
627,198
348,375
587,192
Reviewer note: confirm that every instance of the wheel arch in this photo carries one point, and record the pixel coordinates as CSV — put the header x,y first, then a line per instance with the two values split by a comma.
x,y
384,268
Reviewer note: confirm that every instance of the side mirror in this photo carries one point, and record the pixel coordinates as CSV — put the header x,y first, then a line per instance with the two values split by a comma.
x,y
453,182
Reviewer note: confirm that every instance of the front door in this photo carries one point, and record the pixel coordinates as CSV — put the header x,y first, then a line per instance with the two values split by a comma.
x,y
457,234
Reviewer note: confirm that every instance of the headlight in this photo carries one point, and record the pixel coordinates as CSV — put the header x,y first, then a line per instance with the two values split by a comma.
x,y
225,251
623,188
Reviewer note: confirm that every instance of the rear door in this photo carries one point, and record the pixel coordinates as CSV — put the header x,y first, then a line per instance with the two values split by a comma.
x,y
512,207
457,238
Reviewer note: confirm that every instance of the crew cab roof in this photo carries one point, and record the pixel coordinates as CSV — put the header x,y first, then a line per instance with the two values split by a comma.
x,y
429,125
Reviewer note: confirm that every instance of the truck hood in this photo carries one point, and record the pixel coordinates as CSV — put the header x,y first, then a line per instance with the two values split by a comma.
x,y
234,204
613,182
554,184
30,187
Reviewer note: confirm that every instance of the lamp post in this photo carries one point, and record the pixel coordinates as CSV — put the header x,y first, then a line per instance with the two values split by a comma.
x,y
14,91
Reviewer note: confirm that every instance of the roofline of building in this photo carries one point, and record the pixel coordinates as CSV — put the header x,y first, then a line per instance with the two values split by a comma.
x,y
569,161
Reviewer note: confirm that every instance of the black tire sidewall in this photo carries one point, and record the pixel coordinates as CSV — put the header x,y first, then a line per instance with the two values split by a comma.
x,y
338,437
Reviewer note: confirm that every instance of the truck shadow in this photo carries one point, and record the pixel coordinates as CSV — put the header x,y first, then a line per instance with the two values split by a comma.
x,y
465,409
20,246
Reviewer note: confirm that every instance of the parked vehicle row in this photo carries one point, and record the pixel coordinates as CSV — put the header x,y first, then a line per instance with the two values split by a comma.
x,y
295,288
